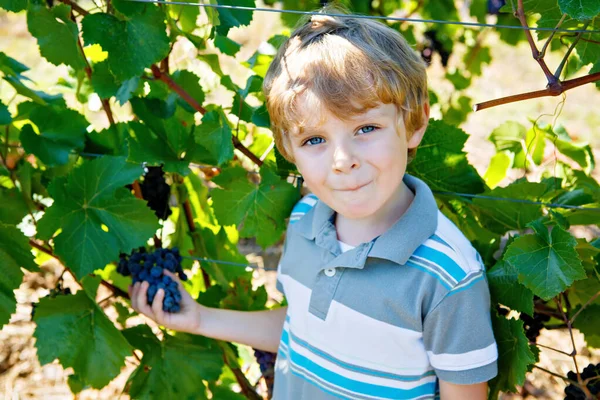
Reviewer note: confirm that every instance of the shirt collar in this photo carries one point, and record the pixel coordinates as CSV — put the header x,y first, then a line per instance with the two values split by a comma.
x,y
398,243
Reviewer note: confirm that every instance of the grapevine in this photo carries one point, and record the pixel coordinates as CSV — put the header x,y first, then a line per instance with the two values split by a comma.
x,y
134,141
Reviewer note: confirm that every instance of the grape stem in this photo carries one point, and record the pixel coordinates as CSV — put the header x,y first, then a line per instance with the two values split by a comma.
x,y
581,385
564,378
551,348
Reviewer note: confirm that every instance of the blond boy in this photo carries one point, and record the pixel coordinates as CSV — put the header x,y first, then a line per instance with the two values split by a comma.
x,y
386,298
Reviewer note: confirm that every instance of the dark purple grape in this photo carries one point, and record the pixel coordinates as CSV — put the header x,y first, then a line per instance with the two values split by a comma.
x,y
150,267
590,372
156,192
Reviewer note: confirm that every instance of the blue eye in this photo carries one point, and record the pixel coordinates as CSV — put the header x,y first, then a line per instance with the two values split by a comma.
x,y
367,128
314,141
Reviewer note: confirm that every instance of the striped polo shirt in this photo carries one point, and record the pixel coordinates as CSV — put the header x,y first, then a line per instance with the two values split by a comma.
x,y
384,319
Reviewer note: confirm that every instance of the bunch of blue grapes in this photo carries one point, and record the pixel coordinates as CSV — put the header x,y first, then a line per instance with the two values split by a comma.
x,y
266,361
591,373
143,266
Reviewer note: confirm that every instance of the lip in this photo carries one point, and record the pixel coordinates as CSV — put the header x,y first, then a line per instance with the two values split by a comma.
x,y
353,189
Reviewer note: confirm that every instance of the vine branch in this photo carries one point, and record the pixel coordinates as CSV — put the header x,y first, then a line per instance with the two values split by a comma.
x,y
158,74
520,14
88,72
562,87
555,87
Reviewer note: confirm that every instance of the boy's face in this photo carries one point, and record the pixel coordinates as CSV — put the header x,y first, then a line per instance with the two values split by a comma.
x,y
356,165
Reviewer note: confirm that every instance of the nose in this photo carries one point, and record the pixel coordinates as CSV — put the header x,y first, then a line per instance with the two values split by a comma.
x,y
344,159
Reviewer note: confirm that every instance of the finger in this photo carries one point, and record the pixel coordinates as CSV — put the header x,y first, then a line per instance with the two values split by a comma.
x,y
157,305
133,296
142,299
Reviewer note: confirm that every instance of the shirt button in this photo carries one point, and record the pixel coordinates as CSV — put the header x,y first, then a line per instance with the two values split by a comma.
x,y
330,272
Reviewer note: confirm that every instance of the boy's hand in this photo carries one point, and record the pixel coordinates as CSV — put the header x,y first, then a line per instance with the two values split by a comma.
x,y
186,320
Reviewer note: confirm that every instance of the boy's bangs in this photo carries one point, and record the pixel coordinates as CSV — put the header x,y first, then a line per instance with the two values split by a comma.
x,y
341,80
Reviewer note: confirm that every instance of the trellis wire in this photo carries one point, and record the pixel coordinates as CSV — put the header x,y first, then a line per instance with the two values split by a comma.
x,y
210,260
388,18
438,192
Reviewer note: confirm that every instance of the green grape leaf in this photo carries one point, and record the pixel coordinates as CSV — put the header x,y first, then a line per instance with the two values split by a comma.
x,y
13,207
502,216
190,82
226,45
212,296
12,70
172,368
14,5
498,168
509,36
74,329
582,291
217,246
214,134
259,210
547,261
187,16
588,322
76,384
510,136
212,60
514,355
224,393
476,57
134,42
441,161
15,254
109,141
99,218
61,130
240,296
5,117
581,153
580,9
260,117
147,146
56,34
11,67
123,313
230,18
106,85
506,289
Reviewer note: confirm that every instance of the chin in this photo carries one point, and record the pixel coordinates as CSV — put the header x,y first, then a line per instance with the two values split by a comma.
x,y
357,210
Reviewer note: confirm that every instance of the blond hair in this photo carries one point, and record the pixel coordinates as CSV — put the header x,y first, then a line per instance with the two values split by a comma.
x,y
346,65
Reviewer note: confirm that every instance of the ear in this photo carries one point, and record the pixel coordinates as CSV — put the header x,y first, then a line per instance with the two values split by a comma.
x,y
417,135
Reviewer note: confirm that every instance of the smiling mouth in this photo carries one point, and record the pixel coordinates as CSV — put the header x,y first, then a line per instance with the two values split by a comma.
x,y
353,189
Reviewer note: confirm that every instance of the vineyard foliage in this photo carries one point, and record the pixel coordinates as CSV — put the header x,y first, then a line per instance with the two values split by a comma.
x,y
70,188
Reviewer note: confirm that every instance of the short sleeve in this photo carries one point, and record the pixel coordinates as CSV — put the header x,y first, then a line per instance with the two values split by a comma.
x,y
300,208
278,283
458,335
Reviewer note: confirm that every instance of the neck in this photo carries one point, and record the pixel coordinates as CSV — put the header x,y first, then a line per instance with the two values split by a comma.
x,y
357,231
